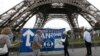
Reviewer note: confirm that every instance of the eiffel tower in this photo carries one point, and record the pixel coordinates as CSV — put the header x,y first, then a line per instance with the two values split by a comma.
x,y
45,10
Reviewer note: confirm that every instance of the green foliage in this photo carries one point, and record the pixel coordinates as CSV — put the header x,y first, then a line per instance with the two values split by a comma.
x,y
75,41
78,41
81,41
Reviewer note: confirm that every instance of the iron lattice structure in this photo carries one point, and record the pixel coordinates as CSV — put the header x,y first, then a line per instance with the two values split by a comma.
x,y
45,10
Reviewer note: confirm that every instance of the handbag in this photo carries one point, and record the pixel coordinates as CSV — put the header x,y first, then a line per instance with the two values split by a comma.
x,y
4,49
35,46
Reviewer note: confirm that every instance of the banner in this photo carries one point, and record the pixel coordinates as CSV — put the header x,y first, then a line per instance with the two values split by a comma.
x,y
51,39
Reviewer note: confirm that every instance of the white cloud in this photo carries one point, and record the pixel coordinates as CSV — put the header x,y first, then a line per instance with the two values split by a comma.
x,y
57,23
7,4
30,23
82,22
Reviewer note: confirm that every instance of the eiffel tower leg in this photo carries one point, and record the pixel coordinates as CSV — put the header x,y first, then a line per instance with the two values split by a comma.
x,y
40,20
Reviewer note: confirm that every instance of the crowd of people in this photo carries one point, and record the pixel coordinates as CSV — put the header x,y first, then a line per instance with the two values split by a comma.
x,y
7,35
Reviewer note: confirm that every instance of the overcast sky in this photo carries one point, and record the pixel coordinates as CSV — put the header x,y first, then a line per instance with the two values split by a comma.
x,y
7,4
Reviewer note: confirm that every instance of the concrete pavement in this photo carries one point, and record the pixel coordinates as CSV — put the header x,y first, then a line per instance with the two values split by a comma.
x,y
73,52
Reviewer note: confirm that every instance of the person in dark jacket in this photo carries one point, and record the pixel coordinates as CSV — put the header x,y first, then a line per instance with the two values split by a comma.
x,y
66,44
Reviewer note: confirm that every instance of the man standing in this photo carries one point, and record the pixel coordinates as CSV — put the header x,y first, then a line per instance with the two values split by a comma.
x,y
37,43
87,39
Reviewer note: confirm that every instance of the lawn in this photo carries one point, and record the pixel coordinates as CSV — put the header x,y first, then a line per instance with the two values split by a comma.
x,y
81,41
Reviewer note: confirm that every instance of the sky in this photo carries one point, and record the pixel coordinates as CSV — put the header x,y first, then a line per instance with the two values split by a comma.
x,y
56,23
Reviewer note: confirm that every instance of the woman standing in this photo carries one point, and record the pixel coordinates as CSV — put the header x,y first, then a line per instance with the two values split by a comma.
x,y
4,40
66,44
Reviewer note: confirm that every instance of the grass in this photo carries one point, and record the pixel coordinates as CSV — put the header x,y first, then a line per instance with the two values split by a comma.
x,y
76,41
81,41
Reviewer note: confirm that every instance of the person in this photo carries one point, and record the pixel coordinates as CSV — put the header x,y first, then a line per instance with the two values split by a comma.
x,y
37,43
66,44
11,36
4,39
88,40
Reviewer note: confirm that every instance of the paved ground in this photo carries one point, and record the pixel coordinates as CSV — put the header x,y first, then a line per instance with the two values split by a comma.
x,y
73,52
